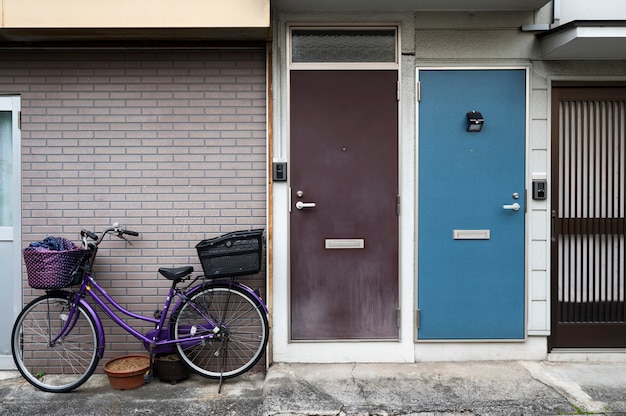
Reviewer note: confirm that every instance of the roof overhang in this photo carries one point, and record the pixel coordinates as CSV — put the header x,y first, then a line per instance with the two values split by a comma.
x,y
585,40
404,5
132,37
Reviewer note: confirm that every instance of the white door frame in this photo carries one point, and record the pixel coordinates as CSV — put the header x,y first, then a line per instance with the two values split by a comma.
x,y
283,350
12,284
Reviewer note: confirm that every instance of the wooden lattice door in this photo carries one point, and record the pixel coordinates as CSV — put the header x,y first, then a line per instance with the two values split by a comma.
x,y
588,211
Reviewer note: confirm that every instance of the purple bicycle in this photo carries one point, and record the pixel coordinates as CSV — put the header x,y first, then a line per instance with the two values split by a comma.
x,y
217,325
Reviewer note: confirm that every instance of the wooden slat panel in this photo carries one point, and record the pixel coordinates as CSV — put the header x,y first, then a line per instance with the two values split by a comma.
x,y
574,226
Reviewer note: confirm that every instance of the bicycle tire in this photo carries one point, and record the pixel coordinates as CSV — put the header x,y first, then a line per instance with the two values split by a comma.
x,y
238,344
71,361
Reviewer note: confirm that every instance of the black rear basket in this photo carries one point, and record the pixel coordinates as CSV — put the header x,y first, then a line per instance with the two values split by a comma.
x,y
232,254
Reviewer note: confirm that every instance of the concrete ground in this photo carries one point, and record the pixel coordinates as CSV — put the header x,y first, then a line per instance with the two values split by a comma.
x,y
462,388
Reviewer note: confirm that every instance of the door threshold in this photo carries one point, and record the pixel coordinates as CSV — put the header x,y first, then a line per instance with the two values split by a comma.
x,y
599,355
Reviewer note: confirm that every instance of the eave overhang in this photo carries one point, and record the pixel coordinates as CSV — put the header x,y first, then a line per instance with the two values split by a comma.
x,y
131,37
585,40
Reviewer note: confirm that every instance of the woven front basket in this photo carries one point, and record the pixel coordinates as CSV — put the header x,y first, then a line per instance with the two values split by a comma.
x,y
50,269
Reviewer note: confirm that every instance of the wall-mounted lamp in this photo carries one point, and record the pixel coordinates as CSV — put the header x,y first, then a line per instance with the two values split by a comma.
x,y
475,121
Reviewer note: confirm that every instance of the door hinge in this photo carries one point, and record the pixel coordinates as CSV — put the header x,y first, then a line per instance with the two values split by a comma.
x,y
398,317
397,204
398,88
19,120
418,91
418,315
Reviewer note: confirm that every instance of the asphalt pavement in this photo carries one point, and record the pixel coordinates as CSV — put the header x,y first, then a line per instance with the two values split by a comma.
x,y
449,388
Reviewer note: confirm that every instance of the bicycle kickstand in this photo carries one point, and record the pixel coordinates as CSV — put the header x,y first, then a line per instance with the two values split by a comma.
x,y
224,349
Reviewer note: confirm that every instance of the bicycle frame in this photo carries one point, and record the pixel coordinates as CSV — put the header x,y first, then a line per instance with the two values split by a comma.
x,y
157,341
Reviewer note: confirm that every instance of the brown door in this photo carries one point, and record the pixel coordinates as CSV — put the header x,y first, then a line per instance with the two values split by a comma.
x,y
344,240
588,246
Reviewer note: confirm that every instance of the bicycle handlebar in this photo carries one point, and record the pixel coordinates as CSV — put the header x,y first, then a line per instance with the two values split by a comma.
x,y
88,234
116,229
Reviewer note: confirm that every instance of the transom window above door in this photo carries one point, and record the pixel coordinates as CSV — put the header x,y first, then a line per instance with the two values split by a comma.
x,y
351,46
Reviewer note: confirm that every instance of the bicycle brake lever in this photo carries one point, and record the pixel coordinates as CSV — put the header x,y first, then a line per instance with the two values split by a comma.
x,y
121,235
120,232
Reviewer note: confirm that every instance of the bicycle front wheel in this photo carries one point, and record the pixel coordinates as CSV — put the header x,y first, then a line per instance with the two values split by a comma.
x,y
58,366
237,330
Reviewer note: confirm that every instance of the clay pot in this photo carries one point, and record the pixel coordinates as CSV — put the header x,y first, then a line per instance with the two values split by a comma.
x,y
127,372
170,368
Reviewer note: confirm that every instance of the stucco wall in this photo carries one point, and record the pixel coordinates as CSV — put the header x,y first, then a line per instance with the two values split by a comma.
x,y
473,37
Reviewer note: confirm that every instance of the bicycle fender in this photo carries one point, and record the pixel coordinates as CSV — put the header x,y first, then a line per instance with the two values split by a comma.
x,y
226,283
90,310
252,293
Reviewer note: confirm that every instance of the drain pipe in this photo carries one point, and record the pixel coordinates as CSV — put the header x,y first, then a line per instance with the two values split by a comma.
x,y
556,18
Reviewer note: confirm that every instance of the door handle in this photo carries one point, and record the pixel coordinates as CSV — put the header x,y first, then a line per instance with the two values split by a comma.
x,y
514,207
301,204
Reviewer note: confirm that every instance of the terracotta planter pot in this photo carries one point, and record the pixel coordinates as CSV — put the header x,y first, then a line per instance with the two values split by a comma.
x,y
127,372
170,368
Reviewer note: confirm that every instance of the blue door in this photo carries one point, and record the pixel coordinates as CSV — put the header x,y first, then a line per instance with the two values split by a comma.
x,y
471,205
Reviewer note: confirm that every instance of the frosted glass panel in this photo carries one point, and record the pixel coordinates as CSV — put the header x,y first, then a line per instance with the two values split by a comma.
x,y
343,45
6,170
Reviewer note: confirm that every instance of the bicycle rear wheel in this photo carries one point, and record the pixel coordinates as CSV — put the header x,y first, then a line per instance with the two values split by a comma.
x,y
237,325
70,361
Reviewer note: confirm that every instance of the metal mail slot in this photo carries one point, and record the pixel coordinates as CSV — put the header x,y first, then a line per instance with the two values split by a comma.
x,y
340,243
471,234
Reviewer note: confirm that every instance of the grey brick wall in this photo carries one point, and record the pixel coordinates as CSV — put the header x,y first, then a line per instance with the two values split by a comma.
x,y
171,144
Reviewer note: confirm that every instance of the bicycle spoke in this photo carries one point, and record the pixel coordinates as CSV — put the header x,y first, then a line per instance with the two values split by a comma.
x,y
61,366
236,346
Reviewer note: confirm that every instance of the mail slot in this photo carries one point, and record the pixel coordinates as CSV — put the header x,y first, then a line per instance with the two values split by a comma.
x,y
471,234
344,243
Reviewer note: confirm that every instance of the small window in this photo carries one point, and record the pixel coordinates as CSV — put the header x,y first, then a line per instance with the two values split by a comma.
x,y
343,45
6,169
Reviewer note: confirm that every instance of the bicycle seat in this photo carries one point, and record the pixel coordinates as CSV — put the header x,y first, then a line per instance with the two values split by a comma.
x,y
176,273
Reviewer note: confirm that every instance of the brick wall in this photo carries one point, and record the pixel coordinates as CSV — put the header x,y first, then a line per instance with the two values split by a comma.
x,y
171,144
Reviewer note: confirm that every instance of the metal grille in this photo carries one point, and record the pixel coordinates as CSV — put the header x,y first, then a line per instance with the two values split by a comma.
x,y
589,218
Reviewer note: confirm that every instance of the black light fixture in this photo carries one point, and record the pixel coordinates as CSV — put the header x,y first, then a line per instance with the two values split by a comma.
x,y
475,121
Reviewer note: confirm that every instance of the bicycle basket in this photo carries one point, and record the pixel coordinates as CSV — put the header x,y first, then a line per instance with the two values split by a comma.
x,y
54,269
233,254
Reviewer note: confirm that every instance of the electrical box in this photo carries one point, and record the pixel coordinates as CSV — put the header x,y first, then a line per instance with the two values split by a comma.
x,y
279,171
540,189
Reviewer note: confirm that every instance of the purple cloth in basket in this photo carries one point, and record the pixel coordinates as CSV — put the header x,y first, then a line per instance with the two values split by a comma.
x,y
55,244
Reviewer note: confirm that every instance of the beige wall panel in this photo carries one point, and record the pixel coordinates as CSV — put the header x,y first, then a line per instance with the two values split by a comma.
x,y
134,13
